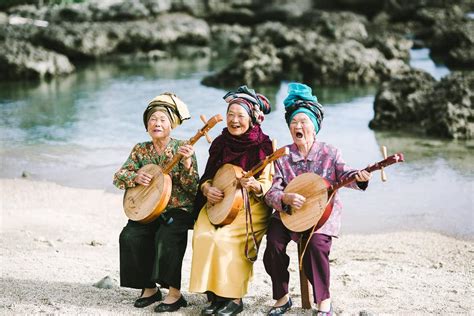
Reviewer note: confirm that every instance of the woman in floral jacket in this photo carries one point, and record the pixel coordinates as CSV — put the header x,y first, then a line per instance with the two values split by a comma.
x,y
153,253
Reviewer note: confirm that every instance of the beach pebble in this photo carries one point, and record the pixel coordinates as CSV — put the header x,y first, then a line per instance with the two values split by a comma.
x,y
438,265
44,240
95,243
106,283
25,174
47,301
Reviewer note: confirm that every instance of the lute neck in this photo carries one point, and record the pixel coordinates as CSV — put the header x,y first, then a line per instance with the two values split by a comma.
x,y
376,166
176,158
263,163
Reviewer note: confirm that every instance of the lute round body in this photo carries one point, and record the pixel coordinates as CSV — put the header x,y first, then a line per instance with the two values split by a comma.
x,y
226,179
315,189
145,203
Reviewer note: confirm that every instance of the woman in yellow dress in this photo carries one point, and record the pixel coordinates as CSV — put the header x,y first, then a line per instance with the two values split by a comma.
x,y
221,268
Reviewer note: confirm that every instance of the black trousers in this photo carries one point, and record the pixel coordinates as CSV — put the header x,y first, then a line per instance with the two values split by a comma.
x,y
153,253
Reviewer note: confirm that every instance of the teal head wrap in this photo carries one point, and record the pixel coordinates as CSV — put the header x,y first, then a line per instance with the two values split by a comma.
x,y
311,116
299,91
301,100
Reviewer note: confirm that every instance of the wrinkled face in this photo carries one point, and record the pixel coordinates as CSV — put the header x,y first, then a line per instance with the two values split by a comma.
x,y
238,120
159,125
302,129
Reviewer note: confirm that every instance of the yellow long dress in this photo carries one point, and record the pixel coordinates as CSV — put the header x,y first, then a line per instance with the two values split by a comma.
x,y
219,264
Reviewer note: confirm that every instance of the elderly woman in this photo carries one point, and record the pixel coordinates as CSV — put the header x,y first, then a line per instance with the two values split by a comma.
x,y
303,116
220,266
153,253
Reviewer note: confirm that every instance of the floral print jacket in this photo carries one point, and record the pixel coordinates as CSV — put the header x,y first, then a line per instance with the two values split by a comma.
x,y
184,182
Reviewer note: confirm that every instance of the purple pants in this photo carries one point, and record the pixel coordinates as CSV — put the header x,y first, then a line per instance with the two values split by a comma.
x,y
315,260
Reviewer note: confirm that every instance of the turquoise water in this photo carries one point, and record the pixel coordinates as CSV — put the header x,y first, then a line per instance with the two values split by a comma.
x,y
419,58
78,130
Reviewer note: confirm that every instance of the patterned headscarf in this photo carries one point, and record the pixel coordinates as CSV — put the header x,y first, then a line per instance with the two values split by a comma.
x,y
256,105
301,100
168,103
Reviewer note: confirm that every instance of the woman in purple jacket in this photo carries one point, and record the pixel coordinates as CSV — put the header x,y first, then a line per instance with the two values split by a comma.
x,y
303,116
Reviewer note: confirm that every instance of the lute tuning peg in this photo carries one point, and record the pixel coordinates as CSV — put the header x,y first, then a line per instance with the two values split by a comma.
x,y
204,120
382,171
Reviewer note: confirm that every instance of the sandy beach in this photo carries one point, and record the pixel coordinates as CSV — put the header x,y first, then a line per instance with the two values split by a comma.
x,y
56,242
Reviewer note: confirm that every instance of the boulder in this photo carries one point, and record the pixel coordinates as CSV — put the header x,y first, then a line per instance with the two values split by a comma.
x,y
334,25
22,60
86,40
366,7
401,100
6,4
392,46
229,12
283,11
304,54
454,41
403,10
225,36
117,10
23,32
156,7
438,15
439,25
256,63
165,32
97,39
75,12
345,62
461,57
29,11
452,107
95,10
340,62
416,102
197,8
282,35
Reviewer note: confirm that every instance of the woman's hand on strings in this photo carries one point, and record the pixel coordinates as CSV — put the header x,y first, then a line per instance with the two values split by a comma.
x,y
143,178
294,200
213,194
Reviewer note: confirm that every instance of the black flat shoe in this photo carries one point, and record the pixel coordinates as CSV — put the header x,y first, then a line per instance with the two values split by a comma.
x,y
163,307
145,301
212,309
230,308
280,310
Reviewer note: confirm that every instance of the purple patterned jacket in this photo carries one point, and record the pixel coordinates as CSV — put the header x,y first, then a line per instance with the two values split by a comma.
x,y
324,160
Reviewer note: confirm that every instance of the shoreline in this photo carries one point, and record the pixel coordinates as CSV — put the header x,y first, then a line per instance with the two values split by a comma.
x,y
58,241
354,222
